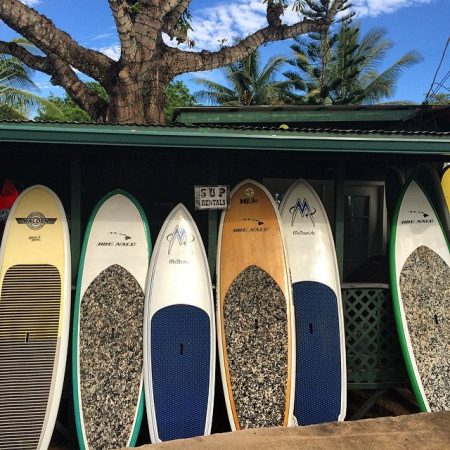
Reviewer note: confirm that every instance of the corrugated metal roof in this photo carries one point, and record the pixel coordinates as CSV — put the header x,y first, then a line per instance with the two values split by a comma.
x,y
228,137
428,117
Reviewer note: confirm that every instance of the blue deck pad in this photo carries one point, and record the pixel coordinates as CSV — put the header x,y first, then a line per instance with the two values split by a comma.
x,y
318,356
180,352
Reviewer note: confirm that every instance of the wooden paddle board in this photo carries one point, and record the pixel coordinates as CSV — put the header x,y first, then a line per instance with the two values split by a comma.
x,y
34,318
445,183
179,333
420,285
321,381
256,336
108,324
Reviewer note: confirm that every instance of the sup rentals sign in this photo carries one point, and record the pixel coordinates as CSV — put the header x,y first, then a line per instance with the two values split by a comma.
x,y
212,197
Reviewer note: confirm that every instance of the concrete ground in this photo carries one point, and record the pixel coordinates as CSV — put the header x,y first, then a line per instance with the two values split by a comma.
x,y
414,431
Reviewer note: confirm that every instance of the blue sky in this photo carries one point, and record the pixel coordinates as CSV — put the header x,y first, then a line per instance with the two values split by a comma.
x,y
421,25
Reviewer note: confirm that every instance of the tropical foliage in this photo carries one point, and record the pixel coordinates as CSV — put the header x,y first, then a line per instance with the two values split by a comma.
x,y
178,96
15,85
247,83
68,111
343,67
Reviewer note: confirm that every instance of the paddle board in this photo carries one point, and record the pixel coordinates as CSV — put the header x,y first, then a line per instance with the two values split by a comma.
x,y
108,324
255,326
445,183
427,175
420,286
34,318
321,382
179,333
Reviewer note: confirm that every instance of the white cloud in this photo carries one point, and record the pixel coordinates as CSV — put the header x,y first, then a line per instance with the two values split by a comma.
x,y
113,51
239,18
31,2
102,36
42,86
374,8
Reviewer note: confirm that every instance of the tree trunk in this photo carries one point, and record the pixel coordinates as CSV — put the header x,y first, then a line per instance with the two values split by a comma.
x,y
137,98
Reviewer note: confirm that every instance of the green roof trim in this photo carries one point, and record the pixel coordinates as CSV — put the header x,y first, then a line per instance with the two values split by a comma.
x,y
245,116
216,138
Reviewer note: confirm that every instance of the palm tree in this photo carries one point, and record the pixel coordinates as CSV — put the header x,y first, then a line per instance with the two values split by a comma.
x,y
349,74
15,83
247,84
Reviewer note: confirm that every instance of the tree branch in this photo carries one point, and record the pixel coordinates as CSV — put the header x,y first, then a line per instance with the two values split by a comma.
x,y
64,76
35,62
196,61
41,31
124,24
175,9
147,27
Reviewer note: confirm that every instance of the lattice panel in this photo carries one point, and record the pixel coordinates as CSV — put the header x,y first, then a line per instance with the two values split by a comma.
x,y
373,349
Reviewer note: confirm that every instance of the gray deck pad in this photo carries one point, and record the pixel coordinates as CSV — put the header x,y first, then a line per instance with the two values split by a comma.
x,y
425,290
111,357
256,333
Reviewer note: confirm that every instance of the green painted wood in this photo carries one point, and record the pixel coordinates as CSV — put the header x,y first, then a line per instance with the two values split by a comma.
x,y
374,358
368,404
339,181
75,212
271,115
214,139
213,225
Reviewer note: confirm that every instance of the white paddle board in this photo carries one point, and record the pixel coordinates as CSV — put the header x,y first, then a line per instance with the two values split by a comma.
x,y
108,324
321,381
179,333
420,285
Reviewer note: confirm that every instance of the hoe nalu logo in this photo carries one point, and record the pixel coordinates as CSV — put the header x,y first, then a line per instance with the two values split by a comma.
x,y
305,210
126,242
35,221
178,234
423,218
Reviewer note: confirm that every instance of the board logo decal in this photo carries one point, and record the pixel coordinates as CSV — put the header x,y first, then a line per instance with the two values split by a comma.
x,y
249,198
259,222
35,221
125,236
259,226
424,218
305,210
123,243
178,234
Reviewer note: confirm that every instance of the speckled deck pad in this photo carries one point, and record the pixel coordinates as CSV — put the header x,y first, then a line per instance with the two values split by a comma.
x,y
111,356
425,290
256,333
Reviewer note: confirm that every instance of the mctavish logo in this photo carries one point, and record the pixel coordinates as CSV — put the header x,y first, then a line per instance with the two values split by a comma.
x,y
305,210
35,221
179,234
